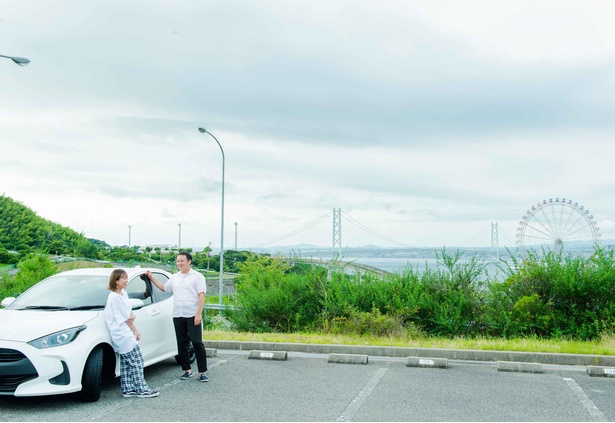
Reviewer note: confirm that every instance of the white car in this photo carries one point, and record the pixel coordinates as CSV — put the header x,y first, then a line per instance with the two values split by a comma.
x,y
54,340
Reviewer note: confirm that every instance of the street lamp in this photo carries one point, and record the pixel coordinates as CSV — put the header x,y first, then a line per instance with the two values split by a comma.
x,y
221,285
21,61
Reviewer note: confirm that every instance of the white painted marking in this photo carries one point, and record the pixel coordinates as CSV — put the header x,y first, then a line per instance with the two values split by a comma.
x,y
426,362
587,403
358,401
609,371
266,355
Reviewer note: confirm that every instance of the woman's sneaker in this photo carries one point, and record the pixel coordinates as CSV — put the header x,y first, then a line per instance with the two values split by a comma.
x,y
186,376
131,394
149,394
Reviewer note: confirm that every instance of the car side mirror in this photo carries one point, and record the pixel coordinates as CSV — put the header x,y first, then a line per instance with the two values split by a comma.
x,y
7,301
136,303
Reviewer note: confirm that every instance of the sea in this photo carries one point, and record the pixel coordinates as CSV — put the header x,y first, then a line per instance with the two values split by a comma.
x,y
418,259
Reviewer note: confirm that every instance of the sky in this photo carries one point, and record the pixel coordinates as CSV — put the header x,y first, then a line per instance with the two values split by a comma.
x,y
425,121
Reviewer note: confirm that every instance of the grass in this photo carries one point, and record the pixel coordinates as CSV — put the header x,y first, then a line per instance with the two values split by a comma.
x,y
81,264
604,346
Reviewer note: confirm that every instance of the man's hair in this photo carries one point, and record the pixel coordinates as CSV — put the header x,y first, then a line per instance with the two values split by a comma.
x,y
187,254
116,275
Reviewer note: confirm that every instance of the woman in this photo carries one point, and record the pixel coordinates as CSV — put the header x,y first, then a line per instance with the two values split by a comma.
x,y
125,338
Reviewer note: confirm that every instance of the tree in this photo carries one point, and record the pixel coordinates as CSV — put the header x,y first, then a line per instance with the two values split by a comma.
x,y
207,250
86,249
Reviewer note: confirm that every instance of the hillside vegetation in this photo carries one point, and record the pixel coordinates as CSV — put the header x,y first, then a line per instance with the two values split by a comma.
x,y
24,231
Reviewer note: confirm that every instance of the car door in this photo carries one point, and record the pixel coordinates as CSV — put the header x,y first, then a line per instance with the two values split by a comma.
x,y
147,318
165,329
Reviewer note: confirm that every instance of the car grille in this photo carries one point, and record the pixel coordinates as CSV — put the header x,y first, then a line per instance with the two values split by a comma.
x,y
15,368
10,356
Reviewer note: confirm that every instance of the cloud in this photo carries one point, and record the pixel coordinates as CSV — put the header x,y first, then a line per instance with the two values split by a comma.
x,y
425,119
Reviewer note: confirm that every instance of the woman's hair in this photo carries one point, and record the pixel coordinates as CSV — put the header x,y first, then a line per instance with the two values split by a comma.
x,y
115,276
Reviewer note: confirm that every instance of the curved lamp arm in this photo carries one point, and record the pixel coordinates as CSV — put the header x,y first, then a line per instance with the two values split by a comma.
x,y
21,61
221,286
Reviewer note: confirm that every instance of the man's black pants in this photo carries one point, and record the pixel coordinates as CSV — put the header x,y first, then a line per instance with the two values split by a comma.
x,y
185,332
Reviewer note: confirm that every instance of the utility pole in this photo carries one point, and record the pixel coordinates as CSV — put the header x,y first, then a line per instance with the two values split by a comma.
x,y
179,242
208,251
235,236
129,230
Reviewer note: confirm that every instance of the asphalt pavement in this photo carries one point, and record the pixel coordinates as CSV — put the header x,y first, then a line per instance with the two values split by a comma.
x,y
307,386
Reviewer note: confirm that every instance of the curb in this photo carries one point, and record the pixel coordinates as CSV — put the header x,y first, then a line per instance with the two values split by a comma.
x,y
348,358
469,355
511,366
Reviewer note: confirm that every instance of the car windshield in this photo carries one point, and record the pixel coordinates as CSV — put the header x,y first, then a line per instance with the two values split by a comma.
x,y
65,292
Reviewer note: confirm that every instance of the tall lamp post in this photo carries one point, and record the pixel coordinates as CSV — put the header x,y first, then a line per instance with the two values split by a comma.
x,y
21,61
221,285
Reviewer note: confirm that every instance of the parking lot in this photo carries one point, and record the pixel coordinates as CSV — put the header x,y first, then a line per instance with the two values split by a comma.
x,y
306,387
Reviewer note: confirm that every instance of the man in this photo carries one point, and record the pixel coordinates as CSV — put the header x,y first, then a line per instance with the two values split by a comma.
x,y
189,289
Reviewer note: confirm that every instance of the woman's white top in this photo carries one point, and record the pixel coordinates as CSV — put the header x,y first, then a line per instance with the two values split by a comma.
x,y
117,312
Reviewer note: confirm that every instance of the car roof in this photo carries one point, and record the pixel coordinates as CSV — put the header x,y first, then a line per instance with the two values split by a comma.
x,y
106,271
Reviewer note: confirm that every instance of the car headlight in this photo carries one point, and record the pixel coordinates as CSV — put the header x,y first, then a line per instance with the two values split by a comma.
x,y
57,339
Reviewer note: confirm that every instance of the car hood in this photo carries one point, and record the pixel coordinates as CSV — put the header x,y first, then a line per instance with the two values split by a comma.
x,y
26,325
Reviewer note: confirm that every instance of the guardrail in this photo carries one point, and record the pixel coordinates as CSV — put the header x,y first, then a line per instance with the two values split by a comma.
x,y
7,268
219,307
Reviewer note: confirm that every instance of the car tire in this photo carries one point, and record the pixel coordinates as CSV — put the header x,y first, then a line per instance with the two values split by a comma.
x,y
191,354
91,381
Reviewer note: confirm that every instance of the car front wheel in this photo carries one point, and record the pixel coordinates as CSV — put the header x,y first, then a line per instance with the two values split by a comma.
x,y
91,380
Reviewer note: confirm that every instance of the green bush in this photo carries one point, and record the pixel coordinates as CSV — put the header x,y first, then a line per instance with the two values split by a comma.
x,y
33,269
548,294
271,299
372,323
552,294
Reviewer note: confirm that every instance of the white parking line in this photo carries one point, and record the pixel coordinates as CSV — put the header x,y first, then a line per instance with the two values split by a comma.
x,y
358,401
176,381
589,405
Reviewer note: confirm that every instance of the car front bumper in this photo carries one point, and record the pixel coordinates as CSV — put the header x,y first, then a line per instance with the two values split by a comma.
x,y
29,371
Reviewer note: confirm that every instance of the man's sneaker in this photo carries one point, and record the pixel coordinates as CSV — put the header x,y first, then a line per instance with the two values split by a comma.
x,y
186,376
203,378
149,394
131,394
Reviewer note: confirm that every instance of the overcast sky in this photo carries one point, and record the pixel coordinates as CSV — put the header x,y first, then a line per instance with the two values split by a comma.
x,y
425,121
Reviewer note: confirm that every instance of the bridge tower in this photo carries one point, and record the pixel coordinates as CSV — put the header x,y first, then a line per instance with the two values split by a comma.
x,y
495,248
337,231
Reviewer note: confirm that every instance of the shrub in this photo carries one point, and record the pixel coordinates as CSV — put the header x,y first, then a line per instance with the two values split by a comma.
x,y
553,294
545,295
33,269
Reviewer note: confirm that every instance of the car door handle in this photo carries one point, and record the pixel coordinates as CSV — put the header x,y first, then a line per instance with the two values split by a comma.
x,y
154,312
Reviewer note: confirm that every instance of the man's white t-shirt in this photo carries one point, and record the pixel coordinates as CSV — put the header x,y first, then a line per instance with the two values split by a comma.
x,y
186,288
117,311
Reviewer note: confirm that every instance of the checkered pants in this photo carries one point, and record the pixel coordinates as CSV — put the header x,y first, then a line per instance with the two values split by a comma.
x,y
131,372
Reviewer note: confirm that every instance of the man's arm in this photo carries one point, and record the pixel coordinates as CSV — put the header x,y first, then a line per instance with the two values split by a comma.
x,y
199,309
156,282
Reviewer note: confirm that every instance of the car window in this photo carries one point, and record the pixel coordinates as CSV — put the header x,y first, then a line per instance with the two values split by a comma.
x,y
158,294
139,287
63,290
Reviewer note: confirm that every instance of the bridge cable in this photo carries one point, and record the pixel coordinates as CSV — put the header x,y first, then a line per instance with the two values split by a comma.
x,y
295,232
372,232
474,238
507,236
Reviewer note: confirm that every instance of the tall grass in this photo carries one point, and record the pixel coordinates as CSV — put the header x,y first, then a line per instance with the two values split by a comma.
x,y
547,295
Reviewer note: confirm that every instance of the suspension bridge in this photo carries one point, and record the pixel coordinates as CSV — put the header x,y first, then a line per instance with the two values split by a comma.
x,y
337,219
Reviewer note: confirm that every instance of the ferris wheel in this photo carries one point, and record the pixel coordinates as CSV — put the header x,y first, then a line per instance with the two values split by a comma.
x,y
556,224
